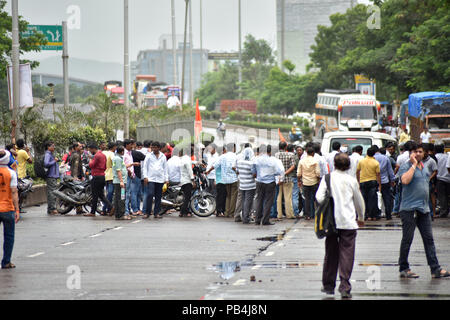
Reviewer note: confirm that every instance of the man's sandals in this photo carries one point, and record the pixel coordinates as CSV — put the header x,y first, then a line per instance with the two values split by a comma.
x,y
8,266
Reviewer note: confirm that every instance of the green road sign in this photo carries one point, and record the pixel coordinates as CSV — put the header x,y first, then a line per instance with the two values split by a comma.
x,y
54,35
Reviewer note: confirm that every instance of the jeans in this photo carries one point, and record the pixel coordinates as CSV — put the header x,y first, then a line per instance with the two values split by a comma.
x,y
109,195
247,203
387,199
52,185
398,198
310,199
98,191
119,204
135,188
144,196
369,193
9,224
411,219
295,196
128,196
273,209
265,200
443,195
154,190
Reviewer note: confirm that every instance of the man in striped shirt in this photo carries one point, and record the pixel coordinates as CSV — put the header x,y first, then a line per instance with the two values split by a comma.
x,y
286,186
247,183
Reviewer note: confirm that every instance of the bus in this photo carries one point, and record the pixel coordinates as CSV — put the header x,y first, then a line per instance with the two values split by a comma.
x,y
111,84
119,93
346,110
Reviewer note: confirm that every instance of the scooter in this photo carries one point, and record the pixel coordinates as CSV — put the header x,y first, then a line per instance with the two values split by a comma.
x,y
24,186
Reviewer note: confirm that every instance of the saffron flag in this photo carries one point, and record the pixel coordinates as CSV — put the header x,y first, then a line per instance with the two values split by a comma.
x,y
198,123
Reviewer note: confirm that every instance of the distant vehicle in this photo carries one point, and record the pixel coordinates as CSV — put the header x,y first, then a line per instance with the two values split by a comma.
x,y
119,93
346,110
351,139
111,84
149,94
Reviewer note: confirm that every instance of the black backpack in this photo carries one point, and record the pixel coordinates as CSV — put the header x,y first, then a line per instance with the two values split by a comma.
x,y
39,169
324,224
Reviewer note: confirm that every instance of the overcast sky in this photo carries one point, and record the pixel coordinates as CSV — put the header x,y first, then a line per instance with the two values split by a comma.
x,y
100,36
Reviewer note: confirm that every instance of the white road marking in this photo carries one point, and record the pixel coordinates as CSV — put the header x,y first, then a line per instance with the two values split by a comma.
x,y
95,235
239,282
36,254
257,267
67,243
270,253
137,221
281,244
118,228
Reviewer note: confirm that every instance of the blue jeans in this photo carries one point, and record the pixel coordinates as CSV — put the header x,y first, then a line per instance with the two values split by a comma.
x,y
109,195
274,211
9,224
154,190
295,197
398,198
144,189
410,220
128,196
135,188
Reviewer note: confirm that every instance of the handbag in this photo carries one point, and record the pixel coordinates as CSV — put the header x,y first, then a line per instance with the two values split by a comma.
x,y
324,223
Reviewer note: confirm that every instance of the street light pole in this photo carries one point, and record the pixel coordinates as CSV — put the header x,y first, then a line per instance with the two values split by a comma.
x,y
240,51
201,38
184,50
65,58
126,76
282,33
15,59
191,89
174,44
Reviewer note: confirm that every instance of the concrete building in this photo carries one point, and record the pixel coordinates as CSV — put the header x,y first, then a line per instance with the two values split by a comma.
x,y
301,20
159,62
43,79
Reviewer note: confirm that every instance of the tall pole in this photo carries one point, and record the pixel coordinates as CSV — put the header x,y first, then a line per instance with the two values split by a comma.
x,y
191,88
15,63
282,33
126,76
65,58
184,50
240,51
174,44
201,38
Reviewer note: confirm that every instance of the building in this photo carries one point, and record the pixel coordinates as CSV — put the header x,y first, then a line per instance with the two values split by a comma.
x,y
43,79
227,106
301,20
159,62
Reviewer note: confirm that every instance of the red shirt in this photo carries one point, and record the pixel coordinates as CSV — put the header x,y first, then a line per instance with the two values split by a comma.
x,y
98,164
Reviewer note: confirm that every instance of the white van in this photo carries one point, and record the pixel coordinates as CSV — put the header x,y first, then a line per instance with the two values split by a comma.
x,y
355,138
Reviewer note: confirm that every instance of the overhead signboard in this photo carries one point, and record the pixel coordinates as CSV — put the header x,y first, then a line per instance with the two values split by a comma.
x,y
223,56
53,34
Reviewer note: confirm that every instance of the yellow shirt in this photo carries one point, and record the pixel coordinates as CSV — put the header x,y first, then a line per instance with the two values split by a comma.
x,y
22,157
369,168
109,176
404,137
309,171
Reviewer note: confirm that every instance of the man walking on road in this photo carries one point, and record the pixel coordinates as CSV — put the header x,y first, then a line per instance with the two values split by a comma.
x,y
285,187
265,169
51,163
98,168
414,211
308,176
155,174
387,181
340,248
369,178
9,208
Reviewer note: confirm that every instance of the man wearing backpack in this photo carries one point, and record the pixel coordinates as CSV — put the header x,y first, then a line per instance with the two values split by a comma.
x,y
51,164
340,247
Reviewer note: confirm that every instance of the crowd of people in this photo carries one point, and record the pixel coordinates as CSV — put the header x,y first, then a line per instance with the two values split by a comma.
x,y
258,185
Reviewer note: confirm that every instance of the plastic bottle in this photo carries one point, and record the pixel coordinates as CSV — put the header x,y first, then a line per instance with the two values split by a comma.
x,y
122,193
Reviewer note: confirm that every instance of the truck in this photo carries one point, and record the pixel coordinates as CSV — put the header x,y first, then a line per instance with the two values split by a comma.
x,y
150,94
432,110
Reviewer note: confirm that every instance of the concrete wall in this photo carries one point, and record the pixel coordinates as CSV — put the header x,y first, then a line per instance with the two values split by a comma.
x,y
168,131
38,196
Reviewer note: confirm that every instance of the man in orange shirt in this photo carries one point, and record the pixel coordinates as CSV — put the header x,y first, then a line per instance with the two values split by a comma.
x,y
9,207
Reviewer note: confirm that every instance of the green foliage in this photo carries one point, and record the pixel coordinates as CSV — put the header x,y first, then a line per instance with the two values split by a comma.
x,y
76,94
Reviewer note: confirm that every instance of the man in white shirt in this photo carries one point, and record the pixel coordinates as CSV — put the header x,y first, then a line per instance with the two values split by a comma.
x,y
155,175
354,159
145,150
187,183
330,158
174,168
211,158
173,101
340,248
425,136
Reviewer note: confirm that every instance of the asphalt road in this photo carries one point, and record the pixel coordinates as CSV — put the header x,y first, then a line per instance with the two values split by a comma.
x,y
204,258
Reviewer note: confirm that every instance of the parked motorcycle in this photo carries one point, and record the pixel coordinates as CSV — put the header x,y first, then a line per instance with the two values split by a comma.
x,y
24,186
202,203
74,193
